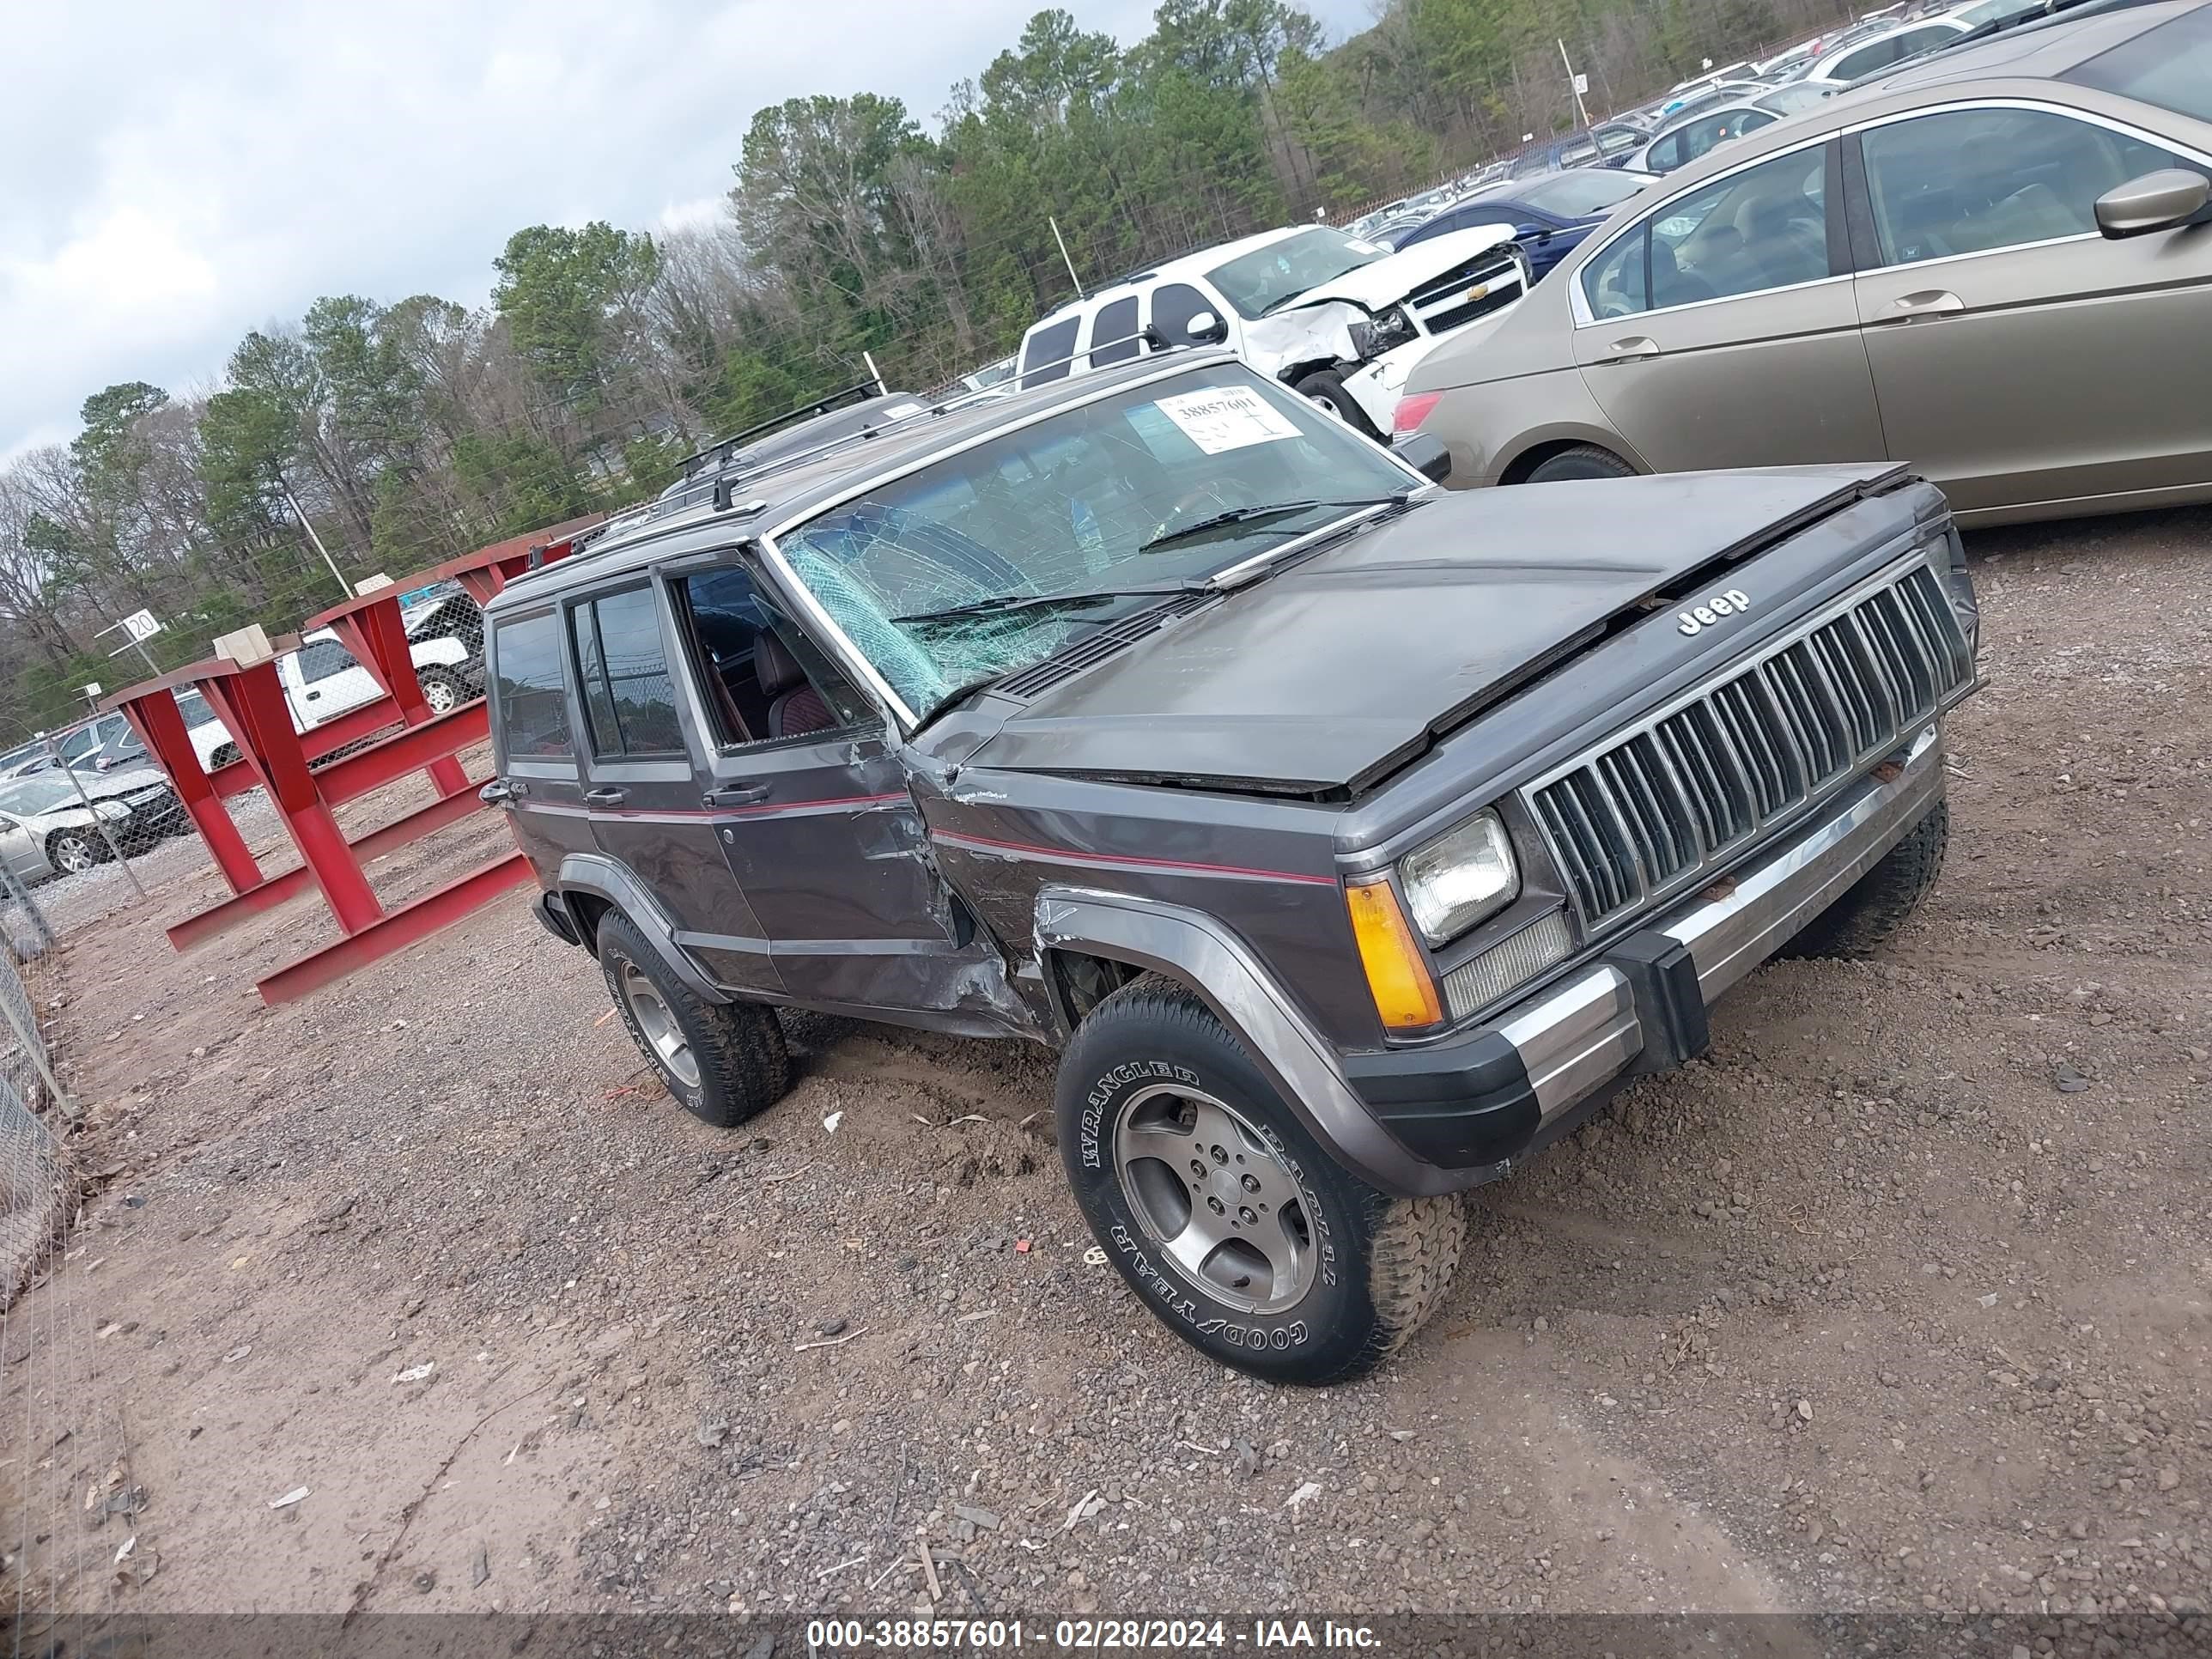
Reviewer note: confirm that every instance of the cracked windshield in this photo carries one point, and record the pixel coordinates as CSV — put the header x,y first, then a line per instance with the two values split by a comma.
x,y
996,557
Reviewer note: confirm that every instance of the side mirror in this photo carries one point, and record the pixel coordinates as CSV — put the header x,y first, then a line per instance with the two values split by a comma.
x,y
1426,454
2157,201
1205,329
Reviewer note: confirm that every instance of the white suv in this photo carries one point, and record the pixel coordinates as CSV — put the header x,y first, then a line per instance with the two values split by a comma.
x,y
1341,320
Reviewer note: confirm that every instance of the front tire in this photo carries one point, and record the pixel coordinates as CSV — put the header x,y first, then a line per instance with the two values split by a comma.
x,y
1222,1211
1326,387
72,852
1872,908
725,1062
1583,461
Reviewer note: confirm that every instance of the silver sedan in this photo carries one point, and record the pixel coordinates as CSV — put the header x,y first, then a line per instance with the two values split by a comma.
x,y
47,831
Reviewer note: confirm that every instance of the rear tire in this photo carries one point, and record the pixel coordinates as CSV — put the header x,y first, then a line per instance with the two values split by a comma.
x,y
1876,906
1326,387
725,1062
1213,1201
1583,461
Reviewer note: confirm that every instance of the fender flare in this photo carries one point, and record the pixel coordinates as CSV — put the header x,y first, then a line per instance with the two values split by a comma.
x,y
602,878
1198,951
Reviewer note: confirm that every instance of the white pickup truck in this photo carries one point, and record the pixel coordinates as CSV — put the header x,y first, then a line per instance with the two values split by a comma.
x,y
322,680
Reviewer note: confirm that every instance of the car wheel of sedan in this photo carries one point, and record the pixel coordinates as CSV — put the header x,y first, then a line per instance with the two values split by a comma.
x,y
1583,461
1326,387
73,851
724,1062
1212,1198
441,690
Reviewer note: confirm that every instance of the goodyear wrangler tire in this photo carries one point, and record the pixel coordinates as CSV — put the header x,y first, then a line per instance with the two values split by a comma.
x,y
1221,1210
724,1062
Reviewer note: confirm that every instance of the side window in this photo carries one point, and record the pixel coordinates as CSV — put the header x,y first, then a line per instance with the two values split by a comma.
x,y
322,659
533,711
1666,153
1763,227
1751,120
1613,282
763,678
622,672
1114,332
1049,345
1174,304
1968,180
1865,60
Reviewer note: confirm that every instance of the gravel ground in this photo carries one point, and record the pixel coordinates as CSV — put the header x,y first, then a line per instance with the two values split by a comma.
x,y
1898,1302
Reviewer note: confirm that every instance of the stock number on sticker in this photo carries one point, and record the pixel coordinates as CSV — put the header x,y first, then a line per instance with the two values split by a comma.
x,y
923,1635
1139,1633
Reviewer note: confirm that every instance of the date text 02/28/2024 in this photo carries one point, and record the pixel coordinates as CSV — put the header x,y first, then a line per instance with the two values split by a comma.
x,y
838,1636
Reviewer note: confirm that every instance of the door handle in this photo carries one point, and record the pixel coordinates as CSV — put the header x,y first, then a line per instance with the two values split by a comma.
x,y
605,797
734,794
497,790
1634,348
312,695
1928,302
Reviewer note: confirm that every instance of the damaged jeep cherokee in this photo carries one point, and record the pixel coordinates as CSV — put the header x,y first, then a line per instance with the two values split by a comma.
x,y
1351,839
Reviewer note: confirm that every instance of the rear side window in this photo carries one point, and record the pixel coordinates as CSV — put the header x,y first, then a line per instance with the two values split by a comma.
x,y
1049,346
1114,333
1174,304
622,668
1613,282
533,711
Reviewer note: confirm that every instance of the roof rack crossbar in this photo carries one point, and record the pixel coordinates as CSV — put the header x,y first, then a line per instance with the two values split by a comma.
x,y
860,391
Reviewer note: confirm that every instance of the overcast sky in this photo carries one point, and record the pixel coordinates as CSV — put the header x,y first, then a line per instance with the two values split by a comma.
x,y
173,173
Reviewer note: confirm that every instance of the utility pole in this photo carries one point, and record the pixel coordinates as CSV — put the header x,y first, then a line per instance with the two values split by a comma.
x,y
1575,84
337,575
1062,240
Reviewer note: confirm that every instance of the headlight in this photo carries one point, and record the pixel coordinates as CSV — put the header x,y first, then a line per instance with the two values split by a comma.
x,y
1459,879
1385,334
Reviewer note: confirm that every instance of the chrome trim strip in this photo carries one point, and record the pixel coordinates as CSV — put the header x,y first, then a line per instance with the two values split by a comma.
x,y
1729,936
1576,1038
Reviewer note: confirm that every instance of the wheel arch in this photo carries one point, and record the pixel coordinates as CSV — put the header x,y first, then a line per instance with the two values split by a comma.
x,y
591,885
1528,459
1135,936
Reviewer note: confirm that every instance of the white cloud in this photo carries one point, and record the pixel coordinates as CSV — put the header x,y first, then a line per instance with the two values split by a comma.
x,y
173,172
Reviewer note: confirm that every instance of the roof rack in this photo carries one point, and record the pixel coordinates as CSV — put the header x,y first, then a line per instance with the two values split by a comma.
x,y
725,448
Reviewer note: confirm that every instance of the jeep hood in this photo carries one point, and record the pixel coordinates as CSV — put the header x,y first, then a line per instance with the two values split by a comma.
x,y
1386,281
1330,674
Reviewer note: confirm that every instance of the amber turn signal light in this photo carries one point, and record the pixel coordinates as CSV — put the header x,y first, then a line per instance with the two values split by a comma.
x,y
1397,975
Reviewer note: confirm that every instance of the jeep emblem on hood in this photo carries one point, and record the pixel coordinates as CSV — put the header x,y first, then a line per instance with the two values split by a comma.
x,y
1700,618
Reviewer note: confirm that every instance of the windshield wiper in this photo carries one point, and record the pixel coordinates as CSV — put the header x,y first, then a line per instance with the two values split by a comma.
x,y
999,604
1262,510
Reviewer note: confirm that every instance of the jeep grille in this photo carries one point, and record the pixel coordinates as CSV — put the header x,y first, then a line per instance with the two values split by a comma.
x,y
1642,815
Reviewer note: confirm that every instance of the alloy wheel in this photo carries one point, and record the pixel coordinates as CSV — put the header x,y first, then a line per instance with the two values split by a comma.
x,y
1226,1213
74,855
656,1022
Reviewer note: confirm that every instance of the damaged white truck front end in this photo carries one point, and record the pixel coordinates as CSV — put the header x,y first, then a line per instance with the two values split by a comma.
x,y
1350,343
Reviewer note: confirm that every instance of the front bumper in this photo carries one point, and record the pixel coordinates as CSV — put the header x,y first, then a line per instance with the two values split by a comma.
x,y
1476,1105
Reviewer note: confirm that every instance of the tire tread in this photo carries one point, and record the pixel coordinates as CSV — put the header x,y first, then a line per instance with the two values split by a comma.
x,y
744,1066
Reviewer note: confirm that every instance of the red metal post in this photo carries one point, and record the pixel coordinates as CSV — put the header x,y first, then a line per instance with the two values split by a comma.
x,y
373,630
154,716
395,932
257,697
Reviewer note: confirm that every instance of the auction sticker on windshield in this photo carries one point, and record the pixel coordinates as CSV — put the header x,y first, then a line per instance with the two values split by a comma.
x,y
1227,417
